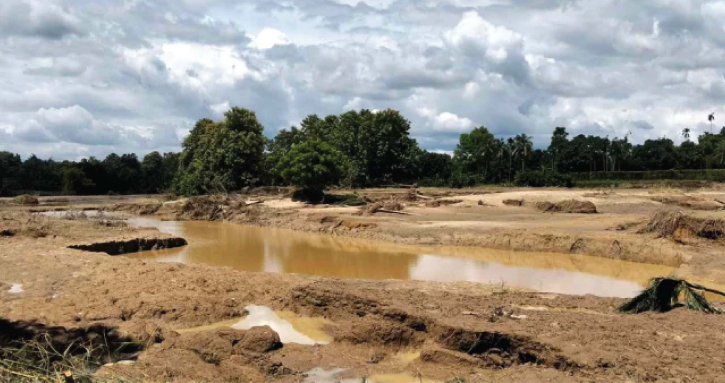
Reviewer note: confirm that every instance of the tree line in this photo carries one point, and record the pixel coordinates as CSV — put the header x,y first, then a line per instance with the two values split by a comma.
x,y
357,149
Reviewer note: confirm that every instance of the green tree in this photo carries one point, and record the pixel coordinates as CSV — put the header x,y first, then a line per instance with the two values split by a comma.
x,y
278,148
475,151
152,169
559,141
312,166
224,156
75,181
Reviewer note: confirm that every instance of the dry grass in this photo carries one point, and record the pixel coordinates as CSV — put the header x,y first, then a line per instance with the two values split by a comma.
x,y
570,206
32,352
26,199
23,224
513,202
674,224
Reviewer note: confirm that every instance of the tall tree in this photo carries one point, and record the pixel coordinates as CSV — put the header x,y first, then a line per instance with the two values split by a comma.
x,y
559,141
686,134
711,118
523,146
224,156
475,150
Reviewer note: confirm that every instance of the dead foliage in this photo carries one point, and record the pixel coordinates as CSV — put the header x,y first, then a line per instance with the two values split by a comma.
x,y
26,199
570,206
664,294
33,352
688,202
376,207
514,202
23,224
677,225
442,202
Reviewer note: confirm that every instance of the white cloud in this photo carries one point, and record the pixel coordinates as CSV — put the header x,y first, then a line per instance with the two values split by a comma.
x,y
77,79
450,122
269,37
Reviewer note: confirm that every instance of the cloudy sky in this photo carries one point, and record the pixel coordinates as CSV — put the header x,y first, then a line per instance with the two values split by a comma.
x,y
90,77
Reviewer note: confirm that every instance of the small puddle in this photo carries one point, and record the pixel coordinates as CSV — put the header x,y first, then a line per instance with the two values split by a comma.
x,y
321,375
399,378
16,288
307,331
290,327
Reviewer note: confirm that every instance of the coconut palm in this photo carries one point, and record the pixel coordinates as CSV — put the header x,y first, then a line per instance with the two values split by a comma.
x,y
523,146
686,134
663,294
720,152
711,118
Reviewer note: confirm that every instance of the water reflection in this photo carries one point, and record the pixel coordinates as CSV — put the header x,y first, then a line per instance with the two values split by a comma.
x,y
283,251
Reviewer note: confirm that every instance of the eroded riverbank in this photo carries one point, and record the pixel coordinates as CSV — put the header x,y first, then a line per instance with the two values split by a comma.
x,y
481,332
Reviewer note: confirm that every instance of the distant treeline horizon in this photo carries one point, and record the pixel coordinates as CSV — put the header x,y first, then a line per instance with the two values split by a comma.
x,y
373,148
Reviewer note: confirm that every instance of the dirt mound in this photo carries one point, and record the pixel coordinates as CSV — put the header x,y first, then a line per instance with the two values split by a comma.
x,y
380,333
26,199
690,202
260,340
514,202
672,224
140,209
503,350
570,206
376,207
444,202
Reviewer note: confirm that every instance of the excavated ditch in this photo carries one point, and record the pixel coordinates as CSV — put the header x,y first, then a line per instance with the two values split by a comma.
x,y
132,245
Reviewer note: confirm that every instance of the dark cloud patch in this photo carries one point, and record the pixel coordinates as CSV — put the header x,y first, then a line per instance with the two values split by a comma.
x,y
38,19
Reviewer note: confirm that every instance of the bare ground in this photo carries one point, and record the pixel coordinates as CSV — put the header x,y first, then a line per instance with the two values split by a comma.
x,y
450,330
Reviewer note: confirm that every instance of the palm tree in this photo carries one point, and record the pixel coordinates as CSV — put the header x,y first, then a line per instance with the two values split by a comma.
x,y
720,152
711,118
686,134
523,146
509,148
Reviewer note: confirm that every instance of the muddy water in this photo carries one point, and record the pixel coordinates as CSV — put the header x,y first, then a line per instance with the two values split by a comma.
x,y
283,251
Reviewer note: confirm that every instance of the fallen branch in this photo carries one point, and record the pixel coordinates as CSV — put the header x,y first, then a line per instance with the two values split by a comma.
x,y
254,203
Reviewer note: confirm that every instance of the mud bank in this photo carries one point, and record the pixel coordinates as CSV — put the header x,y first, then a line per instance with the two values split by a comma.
x,y
433,330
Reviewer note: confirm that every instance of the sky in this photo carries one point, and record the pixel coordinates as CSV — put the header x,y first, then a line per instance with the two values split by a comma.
x,y
83,78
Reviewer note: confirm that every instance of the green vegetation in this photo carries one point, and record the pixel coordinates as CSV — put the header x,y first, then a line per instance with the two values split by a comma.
x,y
663,294
312,166
543,178
376,150
222,157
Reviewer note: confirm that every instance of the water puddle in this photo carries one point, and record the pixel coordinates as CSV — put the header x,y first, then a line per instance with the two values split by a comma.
x,y
406,357
308,331
16,288
321,375
283,251
399,378
290,327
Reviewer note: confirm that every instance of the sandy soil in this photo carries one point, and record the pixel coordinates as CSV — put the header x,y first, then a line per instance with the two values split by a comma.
x,y
440,331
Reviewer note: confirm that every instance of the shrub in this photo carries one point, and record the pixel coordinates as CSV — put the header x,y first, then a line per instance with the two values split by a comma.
x,y
26,199
543,178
